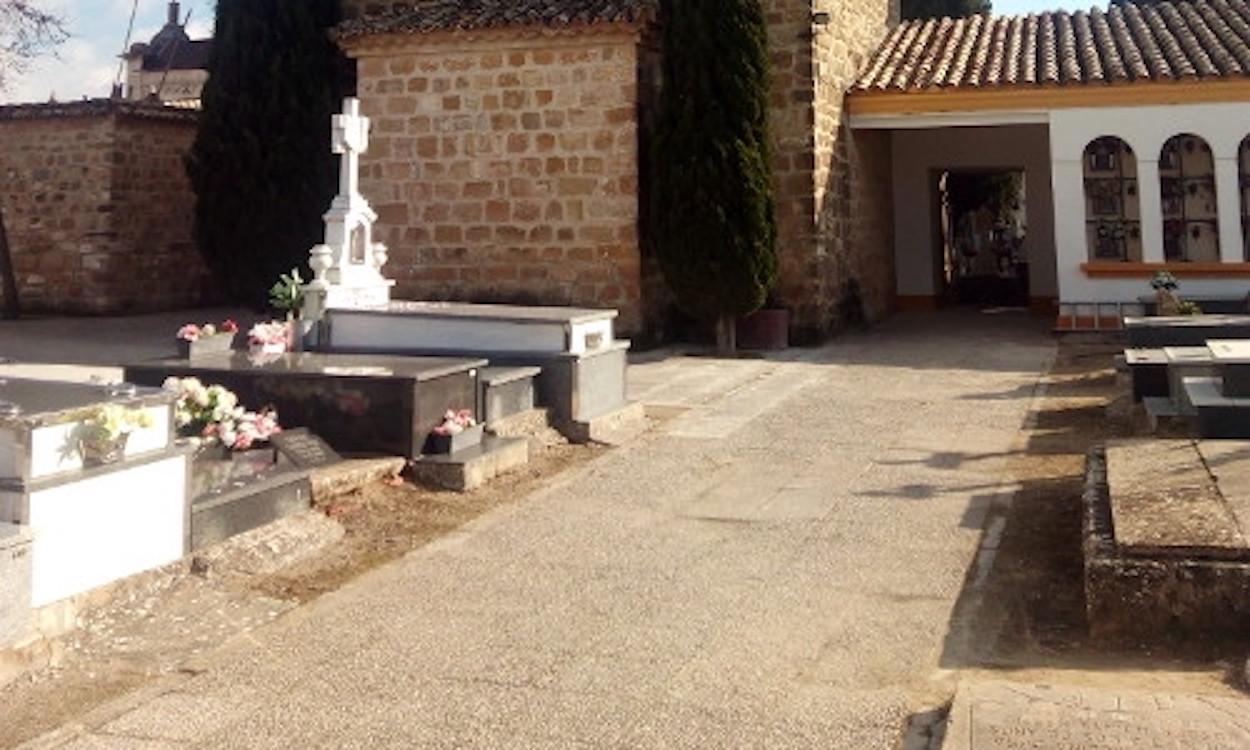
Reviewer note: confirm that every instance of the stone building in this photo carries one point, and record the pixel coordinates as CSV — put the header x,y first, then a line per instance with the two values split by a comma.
x,y
98,207
509,158
1130,127
171,67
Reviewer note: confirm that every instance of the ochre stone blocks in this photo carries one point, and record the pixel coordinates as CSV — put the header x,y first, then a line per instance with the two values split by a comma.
x,y
506,169
98,210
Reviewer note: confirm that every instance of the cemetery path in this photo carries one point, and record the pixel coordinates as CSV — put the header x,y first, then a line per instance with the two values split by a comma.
x,y
786,560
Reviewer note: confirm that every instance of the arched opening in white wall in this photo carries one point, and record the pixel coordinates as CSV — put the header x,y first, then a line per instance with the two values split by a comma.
x,y
1191,227
1243,180
1112,206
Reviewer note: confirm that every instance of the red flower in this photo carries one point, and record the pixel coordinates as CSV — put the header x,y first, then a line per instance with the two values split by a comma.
x,y
229,326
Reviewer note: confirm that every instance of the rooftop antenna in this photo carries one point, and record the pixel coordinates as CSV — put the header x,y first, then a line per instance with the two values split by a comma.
x,y
172,54
121,65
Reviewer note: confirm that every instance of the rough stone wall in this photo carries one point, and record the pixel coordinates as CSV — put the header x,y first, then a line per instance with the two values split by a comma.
x,y
832,187
504,166
97,209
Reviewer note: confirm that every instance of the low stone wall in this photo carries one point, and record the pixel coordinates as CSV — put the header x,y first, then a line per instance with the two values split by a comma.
x,y
98,207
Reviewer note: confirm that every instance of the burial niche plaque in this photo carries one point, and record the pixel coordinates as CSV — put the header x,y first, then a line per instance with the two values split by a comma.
x,y
304,449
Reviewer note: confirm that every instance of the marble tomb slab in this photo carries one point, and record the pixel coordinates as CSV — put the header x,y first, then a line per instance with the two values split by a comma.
x,y
39,419
1192,330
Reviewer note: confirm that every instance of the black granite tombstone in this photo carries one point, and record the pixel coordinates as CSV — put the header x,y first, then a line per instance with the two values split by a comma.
x,y
357,403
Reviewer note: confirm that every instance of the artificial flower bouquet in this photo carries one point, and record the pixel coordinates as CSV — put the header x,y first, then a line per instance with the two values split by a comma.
x,y
457,431
273,337
103,435
212,413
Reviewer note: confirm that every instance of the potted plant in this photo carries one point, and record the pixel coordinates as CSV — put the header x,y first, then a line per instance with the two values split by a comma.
x,y
103,434
1167,300
458,430
194,340
287,296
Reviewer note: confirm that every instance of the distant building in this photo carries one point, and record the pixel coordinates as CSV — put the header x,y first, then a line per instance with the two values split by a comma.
x,y
171,67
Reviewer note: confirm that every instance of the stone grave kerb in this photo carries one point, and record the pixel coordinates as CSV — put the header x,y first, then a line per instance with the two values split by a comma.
x,y
347,267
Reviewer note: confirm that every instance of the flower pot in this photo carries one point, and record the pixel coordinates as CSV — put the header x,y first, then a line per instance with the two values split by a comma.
x,y
103,452
270,348
767,330
440,444
222,342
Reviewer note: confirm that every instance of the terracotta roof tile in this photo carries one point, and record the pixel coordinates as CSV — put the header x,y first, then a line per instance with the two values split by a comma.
x,y
428,16
1130,41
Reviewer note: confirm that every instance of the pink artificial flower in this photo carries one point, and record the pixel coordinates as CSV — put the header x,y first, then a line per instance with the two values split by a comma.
x,y
189,332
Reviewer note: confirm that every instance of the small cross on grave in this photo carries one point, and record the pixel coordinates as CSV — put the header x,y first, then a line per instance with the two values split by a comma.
x,y
350,138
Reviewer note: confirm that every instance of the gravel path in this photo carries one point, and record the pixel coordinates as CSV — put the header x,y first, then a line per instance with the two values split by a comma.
x,y
776,564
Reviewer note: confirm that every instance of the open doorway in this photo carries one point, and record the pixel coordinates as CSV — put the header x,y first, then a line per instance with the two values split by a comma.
x,y
982,225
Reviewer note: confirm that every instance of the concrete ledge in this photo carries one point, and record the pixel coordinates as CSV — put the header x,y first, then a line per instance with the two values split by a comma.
x,y
614,428
525,424
349,476
471,468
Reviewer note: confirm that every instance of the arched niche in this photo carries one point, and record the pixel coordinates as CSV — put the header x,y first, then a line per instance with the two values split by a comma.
x,y
1191,222
1112,203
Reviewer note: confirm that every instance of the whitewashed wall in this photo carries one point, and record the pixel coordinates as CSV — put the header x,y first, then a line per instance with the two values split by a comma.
x,y
1146,129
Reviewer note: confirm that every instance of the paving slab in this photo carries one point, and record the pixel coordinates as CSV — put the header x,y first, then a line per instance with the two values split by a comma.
x,y
998,715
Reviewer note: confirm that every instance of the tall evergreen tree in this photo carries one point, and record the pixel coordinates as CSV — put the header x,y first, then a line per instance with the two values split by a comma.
x,y
714,218
261,164
939,8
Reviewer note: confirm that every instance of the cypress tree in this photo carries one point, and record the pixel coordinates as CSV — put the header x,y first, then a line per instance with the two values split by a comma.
x,y
261,165
714,218
941,8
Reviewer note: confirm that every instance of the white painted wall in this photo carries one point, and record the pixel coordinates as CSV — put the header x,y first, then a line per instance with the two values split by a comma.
x,y
1146,129
919,153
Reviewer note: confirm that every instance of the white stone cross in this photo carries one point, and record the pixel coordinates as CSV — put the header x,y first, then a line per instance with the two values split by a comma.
x,y
350,137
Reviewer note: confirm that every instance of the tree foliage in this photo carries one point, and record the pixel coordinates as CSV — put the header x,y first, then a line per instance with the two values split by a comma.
x,y
27,30
261,164
941,8
715,227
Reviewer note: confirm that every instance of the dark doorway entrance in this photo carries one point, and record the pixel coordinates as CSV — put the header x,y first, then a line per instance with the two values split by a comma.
x,y
982,225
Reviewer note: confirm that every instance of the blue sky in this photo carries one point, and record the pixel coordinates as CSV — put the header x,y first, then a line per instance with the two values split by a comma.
x,y
87,63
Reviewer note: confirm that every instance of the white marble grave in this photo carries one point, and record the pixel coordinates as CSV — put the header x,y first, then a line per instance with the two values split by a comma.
x,y
89,526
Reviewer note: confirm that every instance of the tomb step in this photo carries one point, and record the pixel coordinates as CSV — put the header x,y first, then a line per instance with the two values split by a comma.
x,y
219,516
1165,418
504,392
1148,369
1219,417
469,469
430,326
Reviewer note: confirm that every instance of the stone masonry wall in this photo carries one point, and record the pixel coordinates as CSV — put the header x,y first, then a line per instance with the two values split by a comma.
x,y
832,188
854,202
97,208
504,166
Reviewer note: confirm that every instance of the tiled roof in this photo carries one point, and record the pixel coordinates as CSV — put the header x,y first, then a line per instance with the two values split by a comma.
x,y
1129,41
426,16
